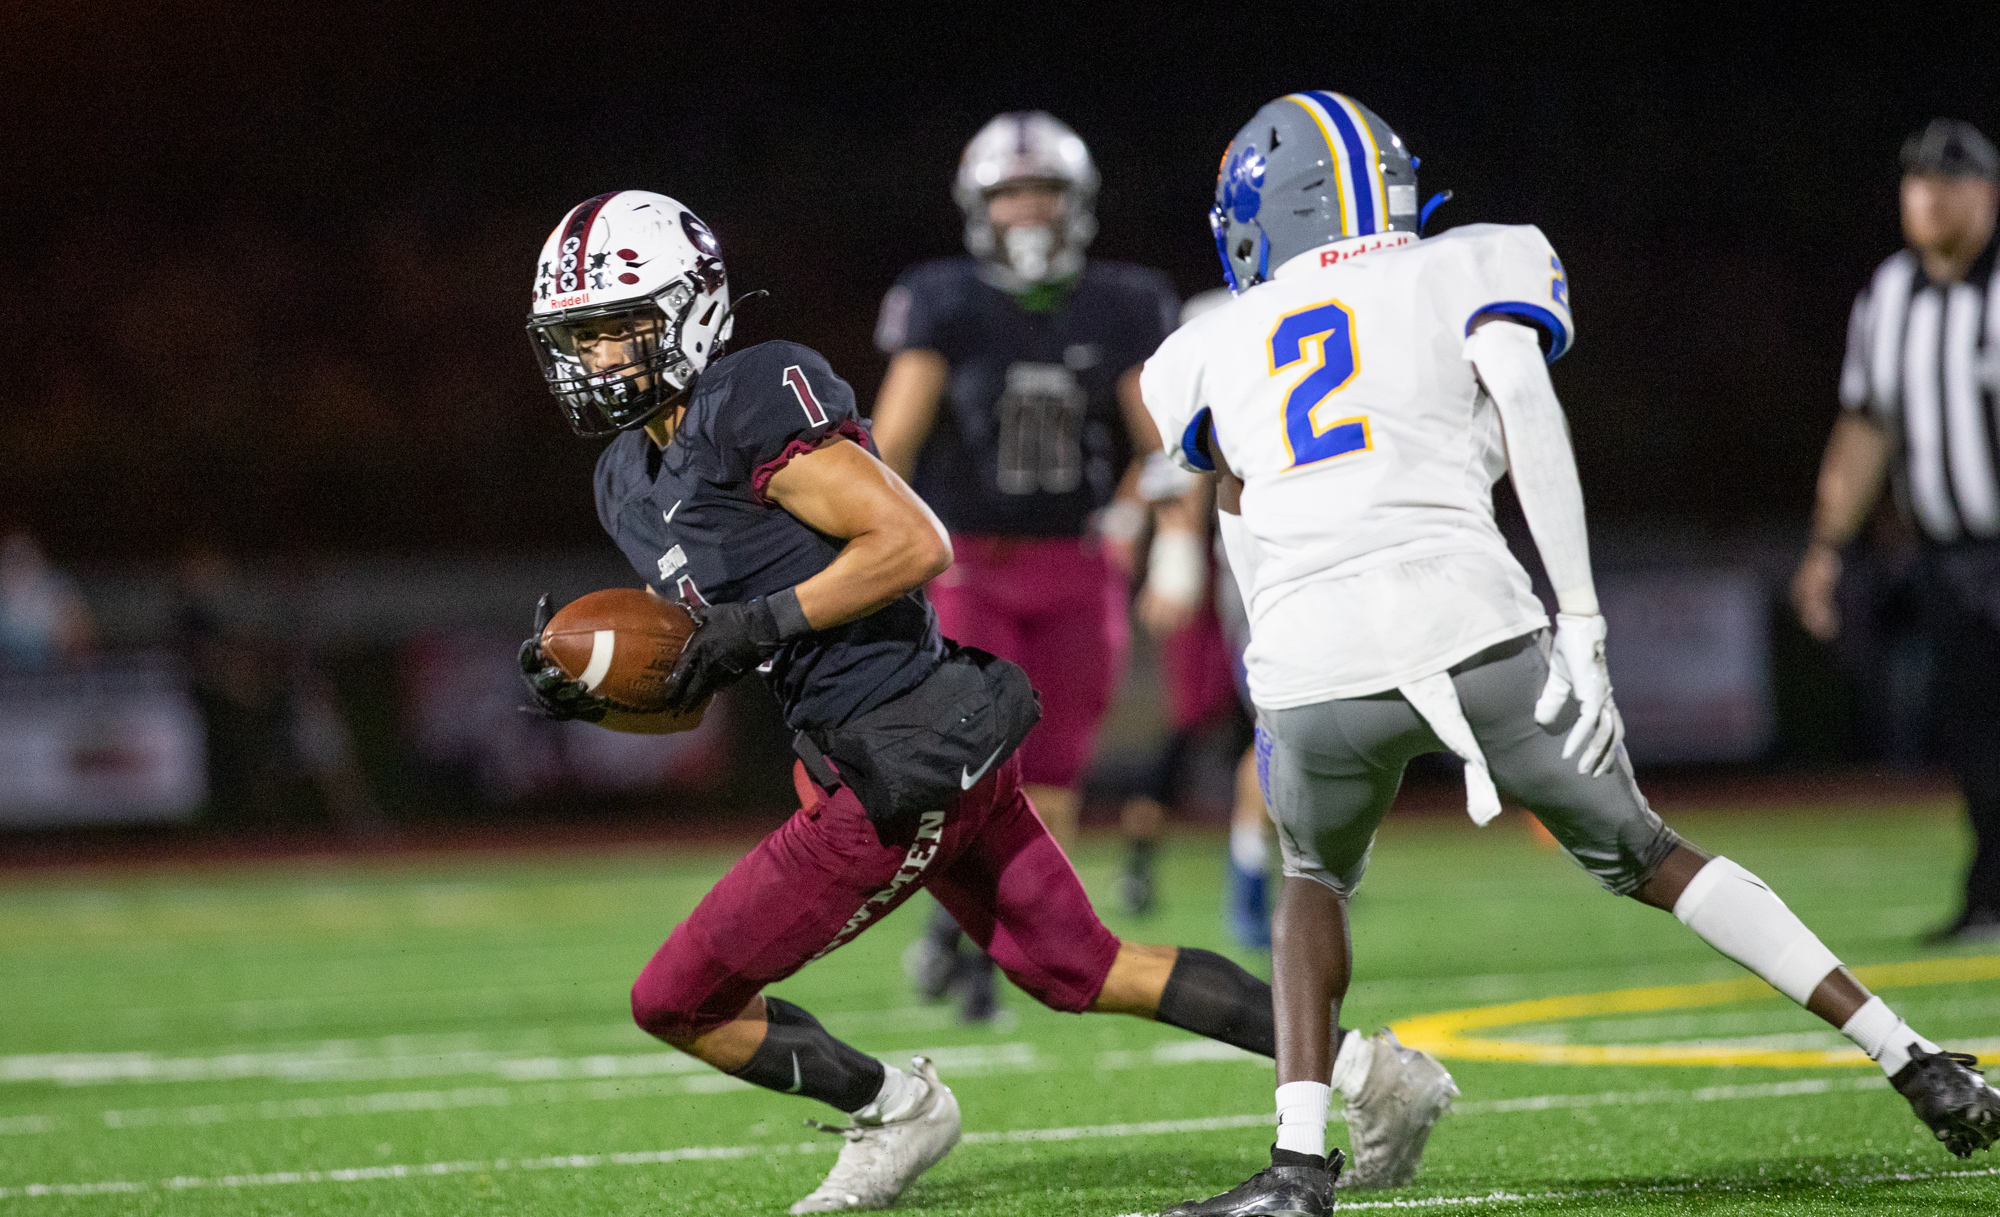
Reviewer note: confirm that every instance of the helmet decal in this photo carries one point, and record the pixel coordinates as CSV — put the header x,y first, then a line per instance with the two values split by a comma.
x,y
570,270
699,234
709,271
1242,179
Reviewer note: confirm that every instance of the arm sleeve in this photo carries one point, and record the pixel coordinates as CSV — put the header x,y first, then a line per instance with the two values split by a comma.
x,y
1516,274
783,401
1170,384
1509,363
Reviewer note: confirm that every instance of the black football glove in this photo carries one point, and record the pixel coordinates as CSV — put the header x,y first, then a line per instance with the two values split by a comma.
x,y
556,695
729,640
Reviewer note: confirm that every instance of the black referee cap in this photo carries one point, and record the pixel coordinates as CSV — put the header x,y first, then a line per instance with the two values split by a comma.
x,y
1951,148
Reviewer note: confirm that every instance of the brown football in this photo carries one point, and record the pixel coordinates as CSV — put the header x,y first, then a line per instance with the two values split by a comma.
x,y
620,644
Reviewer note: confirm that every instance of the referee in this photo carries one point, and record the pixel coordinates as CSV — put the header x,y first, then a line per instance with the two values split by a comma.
x,y
1920,386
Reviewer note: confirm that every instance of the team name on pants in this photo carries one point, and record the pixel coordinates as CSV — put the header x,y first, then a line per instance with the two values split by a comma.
x,y
930,831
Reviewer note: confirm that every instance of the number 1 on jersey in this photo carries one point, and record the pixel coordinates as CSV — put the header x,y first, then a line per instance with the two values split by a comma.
x,y
1322,334
795,377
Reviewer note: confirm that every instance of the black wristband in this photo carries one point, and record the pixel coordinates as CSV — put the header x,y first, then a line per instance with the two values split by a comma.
x,y
790,617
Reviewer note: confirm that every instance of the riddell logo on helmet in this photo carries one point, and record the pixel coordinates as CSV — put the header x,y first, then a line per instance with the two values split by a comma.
x,y
570,301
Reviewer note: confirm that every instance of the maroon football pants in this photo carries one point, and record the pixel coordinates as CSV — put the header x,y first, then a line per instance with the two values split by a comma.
x,y
825,876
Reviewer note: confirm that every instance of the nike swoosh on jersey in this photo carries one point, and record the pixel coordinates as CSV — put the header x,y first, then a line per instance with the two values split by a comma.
x,y
967,781
668,514
798,1081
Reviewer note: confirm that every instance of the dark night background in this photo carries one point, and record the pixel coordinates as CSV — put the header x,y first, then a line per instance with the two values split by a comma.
x,y
269,262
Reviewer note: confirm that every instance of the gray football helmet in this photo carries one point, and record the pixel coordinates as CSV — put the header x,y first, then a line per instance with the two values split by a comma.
x,y
1309,169
1028,145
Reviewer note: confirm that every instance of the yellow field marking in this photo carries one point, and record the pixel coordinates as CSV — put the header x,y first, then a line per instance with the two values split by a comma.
x,y
1448,1033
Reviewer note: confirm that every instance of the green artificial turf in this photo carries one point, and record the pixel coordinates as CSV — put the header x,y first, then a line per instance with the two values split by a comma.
x,y
451,1037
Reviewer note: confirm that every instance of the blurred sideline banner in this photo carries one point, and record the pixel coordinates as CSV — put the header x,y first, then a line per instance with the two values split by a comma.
x,y
119,741
1691,663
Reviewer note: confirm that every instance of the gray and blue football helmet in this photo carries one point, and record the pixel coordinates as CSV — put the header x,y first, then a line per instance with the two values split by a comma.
x,y
1309,169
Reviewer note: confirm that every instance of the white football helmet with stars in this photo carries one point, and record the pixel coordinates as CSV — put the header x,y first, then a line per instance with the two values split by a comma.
x,y
637,274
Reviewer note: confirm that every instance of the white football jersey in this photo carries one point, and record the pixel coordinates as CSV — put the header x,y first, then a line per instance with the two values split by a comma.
x,y
1340,393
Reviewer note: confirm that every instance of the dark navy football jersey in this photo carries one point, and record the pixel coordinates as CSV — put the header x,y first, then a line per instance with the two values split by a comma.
x,y
1029,438
693,521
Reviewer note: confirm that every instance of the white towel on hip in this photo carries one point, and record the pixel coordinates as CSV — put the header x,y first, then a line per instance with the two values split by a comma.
x,y
1436,700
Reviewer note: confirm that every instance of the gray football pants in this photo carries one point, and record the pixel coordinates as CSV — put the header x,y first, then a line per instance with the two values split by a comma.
x,y
1331,771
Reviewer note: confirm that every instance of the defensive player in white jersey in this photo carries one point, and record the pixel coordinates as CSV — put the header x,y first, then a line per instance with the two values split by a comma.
x,y
1357,400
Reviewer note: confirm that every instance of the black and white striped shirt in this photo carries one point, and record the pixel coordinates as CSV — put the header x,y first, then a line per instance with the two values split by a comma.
x,y
1923,359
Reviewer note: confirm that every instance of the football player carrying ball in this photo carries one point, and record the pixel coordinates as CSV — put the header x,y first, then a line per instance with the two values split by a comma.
x,y
744,486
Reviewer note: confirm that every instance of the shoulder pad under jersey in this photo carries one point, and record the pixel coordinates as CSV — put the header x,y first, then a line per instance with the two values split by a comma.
x,y
760,407
923,299
1509,270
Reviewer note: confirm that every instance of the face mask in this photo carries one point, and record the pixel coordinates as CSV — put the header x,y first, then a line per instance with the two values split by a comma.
x,y
1029,247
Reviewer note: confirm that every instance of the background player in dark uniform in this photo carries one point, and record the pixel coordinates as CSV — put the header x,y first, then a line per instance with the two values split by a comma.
x,y
1011,404
745,487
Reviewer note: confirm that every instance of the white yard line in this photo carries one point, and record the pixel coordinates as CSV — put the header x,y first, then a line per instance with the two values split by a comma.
x,y
343,1061
712,1083
1706,1094
614,1078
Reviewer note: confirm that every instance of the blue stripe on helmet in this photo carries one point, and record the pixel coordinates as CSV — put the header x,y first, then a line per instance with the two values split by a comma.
x,y
1360,166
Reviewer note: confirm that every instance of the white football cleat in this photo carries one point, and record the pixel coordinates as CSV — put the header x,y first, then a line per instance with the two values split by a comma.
x,y
1391,1118
880,1160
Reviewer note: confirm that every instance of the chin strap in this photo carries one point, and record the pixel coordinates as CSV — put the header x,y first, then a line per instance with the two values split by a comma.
x,y
715,353
722,328
1431,204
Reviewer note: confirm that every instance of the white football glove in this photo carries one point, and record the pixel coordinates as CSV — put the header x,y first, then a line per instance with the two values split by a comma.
x,y
1577,666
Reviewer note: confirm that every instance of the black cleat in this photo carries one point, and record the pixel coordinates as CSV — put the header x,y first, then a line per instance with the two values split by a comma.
x,y
1290,1187
1952,1099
